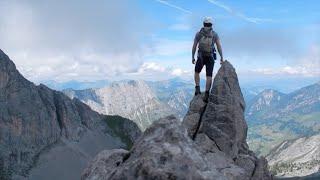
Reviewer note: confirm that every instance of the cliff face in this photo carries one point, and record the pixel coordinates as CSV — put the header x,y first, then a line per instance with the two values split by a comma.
x,y
209,144
34,118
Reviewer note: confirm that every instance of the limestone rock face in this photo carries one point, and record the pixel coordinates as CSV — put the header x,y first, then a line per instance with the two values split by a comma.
x,y
35,118
209,144
223,120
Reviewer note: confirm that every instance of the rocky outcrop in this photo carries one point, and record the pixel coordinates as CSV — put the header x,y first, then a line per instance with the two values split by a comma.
x,y
210,143
35,118
223,120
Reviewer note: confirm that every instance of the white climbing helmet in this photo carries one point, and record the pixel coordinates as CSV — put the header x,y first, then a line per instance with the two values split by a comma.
x,y
207,20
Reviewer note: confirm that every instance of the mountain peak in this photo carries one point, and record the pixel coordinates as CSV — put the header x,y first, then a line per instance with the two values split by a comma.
x,y
5,62
270,94
209,144
9,73
265,99
37,118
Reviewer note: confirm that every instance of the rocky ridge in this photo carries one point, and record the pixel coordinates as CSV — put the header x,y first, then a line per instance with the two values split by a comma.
x,y
210,143
34,119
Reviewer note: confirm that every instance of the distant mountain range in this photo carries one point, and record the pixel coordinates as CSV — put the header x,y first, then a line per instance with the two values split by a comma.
x,y
274,116
143,102
131,99
146,101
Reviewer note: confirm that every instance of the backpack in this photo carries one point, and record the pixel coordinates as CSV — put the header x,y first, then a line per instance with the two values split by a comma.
x,y
206,45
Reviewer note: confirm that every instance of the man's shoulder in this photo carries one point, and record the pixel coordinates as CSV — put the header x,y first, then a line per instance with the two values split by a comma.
x,y
198,35
214,33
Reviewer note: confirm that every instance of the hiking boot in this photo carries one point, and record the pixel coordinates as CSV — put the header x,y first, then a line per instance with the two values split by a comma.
x,y
206,97
197,92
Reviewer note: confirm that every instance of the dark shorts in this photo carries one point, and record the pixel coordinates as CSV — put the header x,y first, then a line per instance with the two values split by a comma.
x,y
208,61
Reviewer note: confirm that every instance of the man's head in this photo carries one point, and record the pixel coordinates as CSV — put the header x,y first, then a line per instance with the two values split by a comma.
x,y
207,22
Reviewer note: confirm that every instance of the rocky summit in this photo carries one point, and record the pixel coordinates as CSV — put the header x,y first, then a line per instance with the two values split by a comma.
x,y
210,143
46,135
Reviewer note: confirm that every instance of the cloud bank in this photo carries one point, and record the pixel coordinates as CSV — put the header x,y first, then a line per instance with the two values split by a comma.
x,y
73,38
307,65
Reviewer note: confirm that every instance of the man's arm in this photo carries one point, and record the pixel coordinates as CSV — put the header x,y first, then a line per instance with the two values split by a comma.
x,y
194,48
219,49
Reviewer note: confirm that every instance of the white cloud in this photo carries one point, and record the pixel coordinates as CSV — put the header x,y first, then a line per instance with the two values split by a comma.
x,y
84,66
180,72
151,66
155,71
308,66
72,39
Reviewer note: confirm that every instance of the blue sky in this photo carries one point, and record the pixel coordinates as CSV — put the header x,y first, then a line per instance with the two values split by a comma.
x,y
152,39
256,35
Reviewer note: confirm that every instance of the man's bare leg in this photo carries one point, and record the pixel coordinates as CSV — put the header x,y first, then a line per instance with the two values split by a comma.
x,y
197,82
208,83
208,87
197,78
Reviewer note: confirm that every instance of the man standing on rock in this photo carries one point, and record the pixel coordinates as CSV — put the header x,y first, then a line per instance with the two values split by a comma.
x,y
205,40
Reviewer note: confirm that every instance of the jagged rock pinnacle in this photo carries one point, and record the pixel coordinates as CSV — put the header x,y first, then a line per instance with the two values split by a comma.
x,y
223,119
